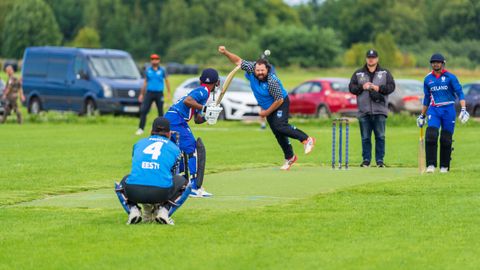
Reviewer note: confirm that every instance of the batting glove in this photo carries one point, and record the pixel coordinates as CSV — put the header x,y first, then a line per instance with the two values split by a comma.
x,y
421,121
464,115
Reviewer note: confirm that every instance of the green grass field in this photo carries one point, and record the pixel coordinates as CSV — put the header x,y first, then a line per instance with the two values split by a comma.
x,y
58,209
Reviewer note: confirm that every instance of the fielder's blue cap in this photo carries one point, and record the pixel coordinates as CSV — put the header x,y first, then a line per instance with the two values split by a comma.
x,y
209,75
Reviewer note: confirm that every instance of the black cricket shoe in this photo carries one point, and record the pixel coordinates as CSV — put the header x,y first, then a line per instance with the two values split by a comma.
x,y
365,163
380,164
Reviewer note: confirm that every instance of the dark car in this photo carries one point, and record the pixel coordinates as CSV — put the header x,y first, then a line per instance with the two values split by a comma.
x,y
472,98
322,97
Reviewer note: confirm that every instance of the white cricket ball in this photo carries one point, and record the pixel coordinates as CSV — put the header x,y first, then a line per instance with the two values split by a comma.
x,y
266,52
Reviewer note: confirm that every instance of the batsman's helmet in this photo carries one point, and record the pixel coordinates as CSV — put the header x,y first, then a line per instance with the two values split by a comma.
x,y
437,58
209,75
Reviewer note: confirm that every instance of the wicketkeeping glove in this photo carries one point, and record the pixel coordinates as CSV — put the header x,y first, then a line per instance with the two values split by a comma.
x,y
421,121
464,115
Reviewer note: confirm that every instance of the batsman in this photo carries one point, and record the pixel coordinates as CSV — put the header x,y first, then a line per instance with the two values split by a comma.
x,y
274,103
441,89
193,105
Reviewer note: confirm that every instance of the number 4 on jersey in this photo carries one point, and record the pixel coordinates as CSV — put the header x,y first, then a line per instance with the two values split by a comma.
x,y
154,149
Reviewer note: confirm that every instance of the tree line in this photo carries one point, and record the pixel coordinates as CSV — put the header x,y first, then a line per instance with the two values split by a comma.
x,y
315,34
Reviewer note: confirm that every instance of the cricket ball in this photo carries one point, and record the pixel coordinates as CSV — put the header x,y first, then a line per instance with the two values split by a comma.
x,y
266,52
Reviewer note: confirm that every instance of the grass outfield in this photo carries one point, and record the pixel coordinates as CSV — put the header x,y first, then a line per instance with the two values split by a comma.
x,y
58,210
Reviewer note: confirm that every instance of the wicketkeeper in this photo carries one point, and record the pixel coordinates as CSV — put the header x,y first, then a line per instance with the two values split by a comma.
x,y
179,114
441,88
153,180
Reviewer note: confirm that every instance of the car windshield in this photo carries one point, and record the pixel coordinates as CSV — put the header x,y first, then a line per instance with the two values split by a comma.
x,y
340,86
239,86
411,88
113,67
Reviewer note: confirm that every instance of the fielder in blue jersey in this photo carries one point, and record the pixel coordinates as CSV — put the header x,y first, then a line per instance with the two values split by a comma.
x,y
441,88
153,181
156,79
274,103
193,105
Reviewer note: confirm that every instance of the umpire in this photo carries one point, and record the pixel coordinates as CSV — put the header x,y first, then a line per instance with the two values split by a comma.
x,y
154,86
372,84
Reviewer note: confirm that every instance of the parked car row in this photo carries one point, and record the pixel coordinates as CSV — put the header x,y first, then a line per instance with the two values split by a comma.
x,y
107,81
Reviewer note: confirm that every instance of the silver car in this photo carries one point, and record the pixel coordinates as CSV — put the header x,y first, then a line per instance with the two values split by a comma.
x,y
238,103
407,96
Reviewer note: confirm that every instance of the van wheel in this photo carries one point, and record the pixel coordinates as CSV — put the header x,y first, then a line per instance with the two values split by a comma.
x,y
90,107
322,112
35,106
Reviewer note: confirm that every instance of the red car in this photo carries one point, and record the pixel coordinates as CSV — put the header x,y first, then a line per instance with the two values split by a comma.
x,y
323,97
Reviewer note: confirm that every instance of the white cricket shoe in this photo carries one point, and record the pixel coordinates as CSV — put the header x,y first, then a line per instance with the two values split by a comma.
x,y
139,132
308,144
149,212
135,215
430,169
162,216
288,163
444,170
200,193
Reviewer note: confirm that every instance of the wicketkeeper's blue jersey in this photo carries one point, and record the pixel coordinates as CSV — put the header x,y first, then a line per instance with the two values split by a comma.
x,y
152,162
441,90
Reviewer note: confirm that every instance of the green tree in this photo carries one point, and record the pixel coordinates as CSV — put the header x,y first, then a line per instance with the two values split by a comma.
x,y
5,7
87,38
292,45
69,14
29,23
389,54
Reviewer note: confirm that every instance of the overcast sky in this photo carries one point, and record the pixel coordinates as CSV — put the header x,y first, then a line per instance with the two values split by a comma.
x,y
295,2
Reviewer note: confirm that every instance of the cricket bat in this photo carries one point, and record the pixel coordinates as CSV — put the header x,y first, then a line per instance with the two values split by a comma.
x,y
227,82
421,152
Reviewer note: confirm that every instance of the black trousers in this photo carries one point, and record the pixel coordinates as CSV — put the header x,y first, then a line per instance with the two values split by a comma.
x,y
152,195
148,99
278,121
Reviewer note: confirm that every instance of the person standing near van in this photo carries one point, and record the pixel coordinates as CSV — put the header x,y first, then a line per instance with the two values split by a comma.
x,y
152,90
13,90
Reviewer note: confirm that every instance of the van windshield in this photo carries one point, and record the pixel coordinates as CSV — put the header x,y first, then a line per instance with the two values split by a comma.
x,y
113,67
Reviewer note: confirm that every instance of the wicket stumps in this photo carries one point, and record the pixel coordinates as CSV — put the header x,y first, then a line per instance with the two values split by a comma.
x,y
339,122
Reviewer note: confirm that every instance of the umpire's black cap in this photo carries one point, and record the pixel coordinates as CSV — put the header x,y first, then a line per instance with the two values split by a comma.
x,y
161,124
209,75
372,53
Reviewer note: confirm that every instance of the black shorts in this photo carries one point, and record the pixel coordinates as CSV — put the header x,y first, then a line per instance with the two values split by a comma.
x,y
153,195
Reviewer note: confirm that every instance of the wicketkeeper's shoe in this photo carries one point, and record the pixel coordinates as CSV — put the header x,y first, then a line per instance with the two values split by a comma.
x,y
162,216
443,169
308,144
135,215
200,193
430,169
139,132
288,163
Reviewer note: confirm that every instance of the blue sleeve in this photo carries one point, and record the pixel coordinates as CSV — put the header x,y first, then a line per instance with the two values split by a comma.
x,y
457,87
200,95
426,92
165,74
